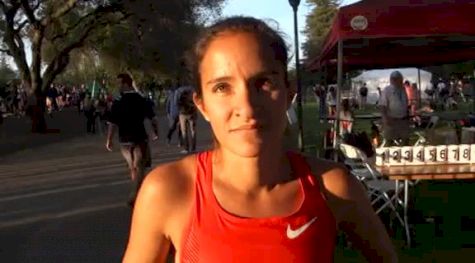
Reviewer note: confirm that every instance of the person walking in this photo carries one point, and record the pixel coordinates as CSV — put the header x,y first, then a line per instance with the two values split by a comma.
x,y
187,118
128,114
90,114
171,108
363,96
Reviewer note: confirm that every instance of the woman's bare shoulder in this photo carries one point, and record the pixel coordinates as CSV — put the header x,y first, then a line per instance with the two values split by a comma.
x,y
170,184
322,167
333,176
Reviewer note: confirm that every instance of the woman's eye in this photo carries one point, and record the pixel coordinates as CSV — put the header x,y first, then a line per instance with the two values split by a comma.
x,y
220,88
265,84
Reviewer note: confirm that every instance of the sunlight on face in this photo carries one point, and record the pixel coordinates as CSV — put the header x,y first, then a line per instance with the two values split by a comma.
x,y
244,93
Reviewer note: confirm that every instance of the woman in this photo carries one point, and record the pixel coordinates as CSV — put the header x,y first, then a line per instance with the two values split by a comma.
x,y
346,118
249,200
331,100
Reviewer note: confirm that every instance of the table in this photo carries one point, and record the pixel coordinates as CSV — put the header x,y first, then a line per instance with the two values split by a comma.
x,y
424,172
371,116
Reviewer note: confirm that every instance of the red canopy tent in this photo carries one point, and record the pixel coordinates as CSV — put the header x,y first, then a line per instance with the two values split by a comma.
x,y
400,33
397,33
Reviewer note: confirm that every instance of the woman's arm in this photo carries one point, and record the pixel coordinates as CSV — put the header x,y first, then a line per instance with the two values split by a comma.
x,y
355,216
148,241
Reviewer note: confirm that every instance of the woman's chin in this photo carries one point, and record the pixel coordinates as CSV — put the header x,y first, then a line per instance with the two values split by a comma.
x,y
250,150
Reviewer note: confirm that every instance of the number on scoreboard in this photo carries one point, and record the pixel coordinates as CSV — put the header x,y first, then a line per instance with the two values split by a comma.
x,y
441,153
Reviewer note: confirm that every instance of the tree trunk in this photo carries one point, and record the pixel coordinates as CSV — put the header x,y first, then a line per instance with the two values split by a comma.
x,y
36,111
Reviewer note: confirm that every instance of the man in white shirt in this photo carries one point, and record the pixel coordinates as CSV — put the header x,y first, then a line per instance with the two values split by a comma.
x,y
394,109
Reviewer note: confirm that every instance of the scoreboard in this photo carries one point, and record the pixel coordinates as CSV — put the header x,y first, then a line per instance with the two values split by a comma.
x,y
420,155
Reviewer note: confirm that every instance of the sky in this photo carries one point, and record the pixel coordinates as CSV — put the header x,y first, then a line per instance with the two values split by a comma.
x,y
278,10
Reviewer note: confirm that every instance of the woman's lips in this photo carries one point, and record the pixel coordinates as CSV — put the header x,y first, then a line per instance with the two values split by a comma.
x,y
247,127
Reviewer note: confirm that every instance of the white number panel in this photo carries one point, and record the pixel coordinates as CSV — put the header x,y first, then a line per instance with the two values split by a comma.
x,y
382,156
407,155
430,154
453,154
441,153
395,156
420,155
465,154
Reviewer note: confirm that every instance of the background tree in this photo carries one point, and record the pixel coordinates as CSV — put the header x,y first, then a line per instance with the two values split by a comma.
x,y
7,74
318,23
54,29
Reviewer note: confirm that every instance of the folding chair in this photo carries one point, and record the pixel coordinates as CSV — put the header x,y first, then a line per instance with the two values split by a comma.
x,y
422,135
382,192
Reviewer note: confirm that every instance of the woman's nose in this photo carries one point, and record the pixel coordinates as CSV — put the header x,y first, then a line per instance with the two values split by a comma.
x,y
247,101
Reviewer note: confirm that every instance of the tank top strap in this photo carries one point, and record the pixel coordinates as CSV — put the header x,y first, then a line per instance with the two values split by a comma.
x,y
203,184
203,172
303,171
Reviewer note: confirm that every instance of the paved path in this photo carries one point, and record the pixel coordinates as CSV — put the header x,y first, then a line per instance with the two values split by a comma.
x,y
64,199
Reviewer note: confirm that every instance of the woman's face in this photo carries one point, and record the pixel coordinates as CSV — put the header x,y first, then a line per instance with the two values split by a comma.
x,y
244,93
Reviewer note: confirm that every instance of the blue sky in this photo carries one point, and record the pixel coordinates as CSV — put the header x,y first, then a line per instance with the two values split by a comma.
x,y
278,10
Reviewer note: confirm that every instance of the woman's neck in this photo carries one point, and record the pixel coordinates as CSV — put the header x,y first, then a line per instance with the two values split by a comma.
x,y
251,174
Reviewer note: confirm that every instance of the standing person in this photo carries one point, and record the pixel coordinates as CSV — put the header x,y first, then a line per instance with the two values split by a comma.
x,y
89,108
171,108
345,118
187,118
128,114
394,110
331,101
363,96
248,199
379,95
411,92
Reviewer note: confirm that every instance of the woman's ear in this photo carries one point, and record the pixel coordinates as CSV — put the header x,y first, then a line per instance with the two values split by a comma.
x,y
198,100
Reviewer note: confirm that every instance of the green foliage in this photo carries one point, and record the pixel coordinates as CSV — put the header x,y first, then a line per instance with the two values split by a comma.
x,y
318,23
151,43
102,37
7,74
446,71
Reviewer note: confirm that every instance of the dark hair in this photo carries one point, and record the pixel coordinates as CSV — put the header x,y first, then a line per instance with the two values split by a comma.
x,y
264,32
125,78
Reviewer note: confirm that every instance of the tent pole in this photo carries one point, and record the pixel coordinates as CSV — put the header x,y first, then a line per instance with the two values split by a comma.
x,y
323,110
336,124
419,89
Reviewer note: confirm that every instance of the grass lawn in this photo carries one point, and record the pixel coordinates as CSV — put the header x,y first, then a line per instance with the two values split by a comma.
x,y
450,237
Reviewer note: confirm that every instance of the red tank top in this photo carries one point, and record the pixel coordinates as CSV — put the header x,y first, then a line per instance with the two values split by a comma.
x,y
214,235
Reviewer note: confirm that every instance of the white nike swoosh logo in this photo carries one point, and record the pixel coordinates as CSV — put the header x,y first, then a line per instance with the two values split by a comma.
x,y
292,234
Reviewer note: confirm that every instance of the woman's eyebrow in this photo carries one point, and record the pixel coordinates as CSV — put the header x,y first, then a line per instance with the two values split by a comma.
x,y
267,73
220,79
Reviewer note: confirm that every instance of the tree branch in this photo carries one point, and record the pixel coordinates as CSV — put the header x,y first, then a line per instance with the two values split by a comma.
x,y
61,11
20,26
6,51
101,10
61,60
29,12
13,40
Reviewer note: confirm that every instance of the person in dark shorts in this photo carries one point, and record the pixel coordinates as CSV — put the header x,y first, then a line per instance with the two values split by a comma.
x,y
187,118
128,114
